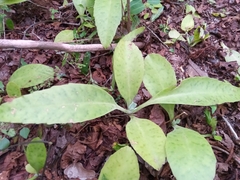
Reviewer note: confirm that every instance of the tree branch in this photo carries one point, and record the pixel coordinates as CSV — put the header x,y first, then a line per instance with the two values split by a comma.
x,y
29,44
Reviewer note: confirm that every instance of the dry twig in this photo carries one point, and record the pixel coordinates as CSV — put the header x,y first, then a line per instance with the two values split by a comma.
x,y
29,44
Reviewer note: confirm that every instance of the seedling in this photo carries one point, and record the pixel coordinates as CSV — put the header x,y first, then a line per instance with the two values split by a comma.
x,y
212,121
164,27
74,103
10,132
36,155
53,12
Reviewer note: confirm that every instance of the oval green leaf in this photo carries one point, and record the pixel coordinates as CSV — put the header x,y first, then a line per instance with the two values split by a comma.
x,y
64,36
9,23
69,103
82,5
189,155
136,6
128,67
31,75
159,76
4,144
148,140
36,154
13,90
187,23
30,169
123,164
24,132
107,14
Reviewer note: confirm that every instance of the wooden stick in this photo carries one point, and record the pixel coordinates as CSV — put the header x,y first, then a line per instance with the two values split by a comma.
x,y
29,44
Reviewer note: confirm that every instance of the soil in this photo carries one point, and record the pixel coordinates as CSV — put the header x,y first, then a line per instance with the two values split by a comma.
x,y
91,143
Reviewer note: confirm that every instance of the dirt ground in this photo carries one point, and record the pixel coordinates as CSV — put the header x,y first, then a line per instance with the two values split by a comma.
x,y
91,143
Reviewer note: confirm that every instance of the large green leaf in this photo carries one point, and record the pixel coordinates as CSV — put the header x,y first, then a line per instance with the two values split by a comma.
x,y
9,2
148,140
159,76
60,104
199,91
123,164
128,69
31,75
189,155
36,154
107,14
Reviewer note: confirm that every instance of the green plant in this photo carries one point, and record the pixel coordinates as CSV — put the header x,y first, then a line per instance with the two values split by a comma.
x,y
82,64
36,155
199,35
212,121
28,76
8,131
187,152
53,11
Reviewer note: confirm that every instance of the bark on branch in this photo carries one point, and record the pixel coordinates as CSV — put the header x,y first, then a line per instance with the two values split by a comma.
x,y
29,44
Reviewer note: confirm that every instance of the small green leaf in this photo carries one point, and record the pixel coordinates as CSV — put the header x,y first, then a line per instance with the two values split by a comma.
x,y
82,5
4,143
136,6
217,138
30,169
9,24
9,132
107,14
148,140
128,69
36,154
188,154
24,132
174,34
69,103
123,164
64,36
23,63
86,61
157,14
187,23
10,2
13,90
31,75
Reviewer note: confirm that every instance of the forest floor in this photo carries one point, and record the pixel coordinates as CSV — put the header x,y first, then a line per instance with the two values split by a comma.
x,y
91,143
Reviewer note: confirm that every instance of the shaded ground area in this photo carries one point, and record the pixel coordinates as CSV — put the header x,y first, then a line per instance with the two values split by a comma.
x,y
91,143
